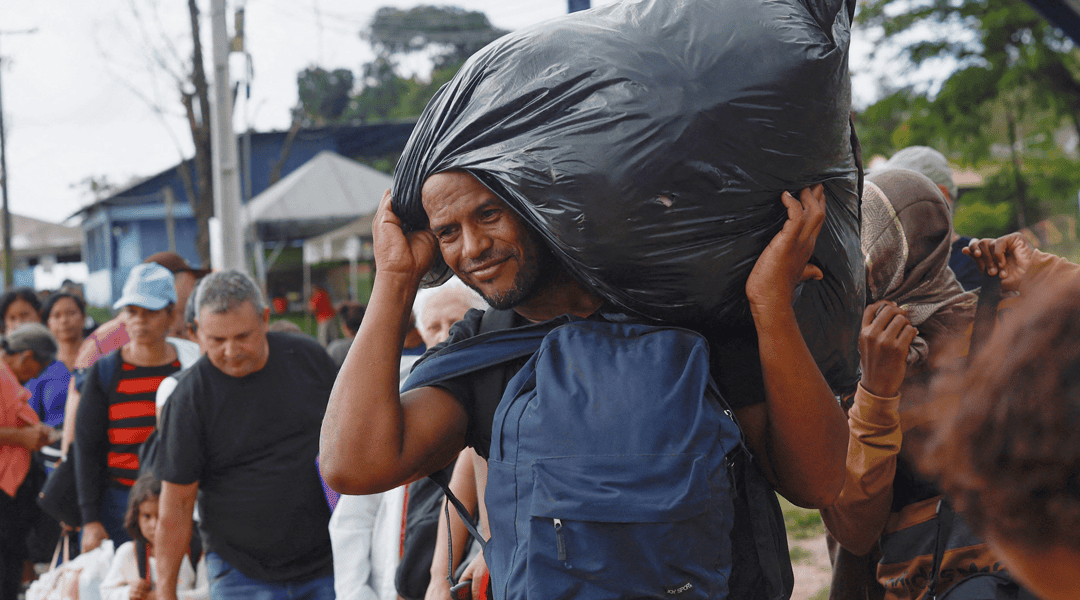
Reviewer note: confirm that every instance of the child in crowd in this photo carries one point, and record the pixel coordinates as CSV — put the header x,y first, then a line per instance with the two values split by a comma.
x,y
123,581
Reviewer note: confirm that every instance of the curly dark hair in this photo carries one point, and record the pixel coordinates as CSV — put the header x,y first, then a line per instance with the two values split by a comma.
x,y
1006,450
51,301
146,487
19,293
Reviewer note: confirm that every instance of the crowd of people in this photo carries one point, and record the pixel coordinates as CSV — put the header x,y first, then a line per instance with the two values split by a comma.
x,y
96,395
226,459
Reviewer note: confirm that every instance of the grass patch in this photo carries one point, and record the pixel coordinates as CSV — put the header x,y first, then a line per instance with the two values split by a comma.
x,y
822,594
304,321
801,523
800,554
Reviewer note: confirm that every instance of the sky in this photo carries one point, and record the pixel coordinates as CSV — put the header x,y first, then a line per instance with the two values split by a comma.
x,y
90,93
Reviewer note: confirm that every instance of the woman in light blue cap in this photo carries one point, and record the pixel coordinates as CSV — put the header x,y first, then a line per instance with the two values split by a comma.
x,y
117,412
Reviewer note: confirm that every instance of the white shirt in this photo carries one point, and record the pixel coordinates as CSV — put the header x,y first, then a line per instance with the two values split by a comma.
x,y
124,573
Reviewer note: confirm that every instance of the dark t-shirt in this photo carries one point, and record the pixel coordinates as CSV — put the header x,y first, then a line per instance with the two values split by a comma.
x,y
250,443
963,266
481,410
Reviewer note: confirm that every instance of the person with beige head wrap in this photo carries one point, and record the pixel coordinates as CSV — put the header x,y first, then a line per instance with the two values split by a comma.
x,y
916,311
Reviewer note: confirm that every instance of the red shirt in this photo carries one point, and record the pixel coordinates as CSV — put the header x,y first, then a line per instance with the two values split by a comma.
x,y
321,306
14,412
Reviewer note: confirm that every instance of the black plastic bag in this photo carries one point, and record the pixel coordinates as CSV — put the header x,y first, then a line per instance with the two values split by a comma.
x,y
649,142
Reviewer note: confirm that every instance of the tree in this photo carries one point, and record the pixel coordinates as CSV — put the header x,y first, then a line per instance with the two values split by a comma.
x,y
195,95
324,95
1018,80
176,59
447,35
450,33
1012,46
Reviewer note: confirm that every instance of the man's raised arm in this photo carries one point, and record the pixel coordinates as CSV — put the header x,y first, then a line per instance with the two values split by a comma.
x,y
374,439
800,427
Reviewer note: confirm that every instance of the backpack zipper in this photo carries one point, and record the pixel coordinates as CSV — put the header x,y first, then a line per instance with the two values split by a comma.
x,y
559,541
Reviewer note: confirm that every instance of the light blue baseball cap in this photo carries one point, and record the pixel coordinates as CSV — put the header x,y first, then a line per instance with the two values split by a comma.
x,y
150,286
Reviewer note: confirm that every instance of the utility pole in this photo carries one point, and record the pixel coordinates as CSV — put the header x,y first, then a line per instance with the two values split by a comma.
x,y
9,271
223,143
576,5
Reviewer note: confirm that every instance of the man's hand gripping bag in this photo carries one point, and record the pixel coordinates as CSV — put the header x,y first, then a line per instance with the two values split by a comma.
x,y
649,141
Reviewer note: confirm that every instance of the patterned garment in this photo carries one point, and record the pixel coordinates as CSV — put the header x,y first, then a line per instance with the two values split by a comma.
x,y
906,240
132,417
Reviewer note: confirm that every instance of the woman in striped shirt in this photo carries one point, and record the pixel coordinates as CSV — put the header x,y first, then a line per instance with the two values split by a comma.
x,y
117,412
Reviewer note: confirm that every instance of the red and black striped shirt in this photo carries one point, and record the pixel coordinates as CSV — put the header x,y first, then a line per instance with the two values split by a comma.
x,y
132,417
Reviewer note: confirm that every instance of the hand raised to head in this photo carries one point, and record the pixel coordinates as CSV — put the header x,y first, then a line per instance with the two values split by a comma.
x,y
784,263
884,340
399,253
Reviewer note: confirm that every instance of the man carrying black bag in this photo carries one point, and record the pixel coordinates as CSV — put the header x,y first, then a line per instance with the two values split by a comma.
x,y
374,439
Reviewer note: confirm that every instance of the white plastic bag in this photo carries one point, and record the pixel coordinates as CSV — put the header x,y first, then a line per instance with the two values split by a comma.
x,y
76,579
94,565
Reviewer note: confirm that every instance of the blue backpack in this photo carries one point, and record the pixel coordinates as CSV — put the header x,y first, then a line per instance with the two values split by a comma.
x,y
610,474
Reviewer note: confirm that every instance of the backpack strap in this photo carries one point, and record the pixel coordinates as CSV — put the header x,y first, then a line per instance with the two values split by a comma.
x,y
487,349
497,342
443,479
985,317
141,559
945,516
109,370
985,314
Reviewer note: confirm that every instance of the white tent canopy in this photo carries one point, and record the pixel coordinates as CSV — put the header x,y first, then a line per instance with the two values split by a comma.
x,y
325,193
351,242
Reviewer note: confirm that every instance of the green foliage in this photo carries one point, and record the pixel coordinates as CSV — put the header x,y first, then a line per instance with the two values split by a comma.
x,y
384,164
799,554
801,523
1017,85
451,33
302,320
99,314
447,34
897,121
981,220
324,95
1052,181
382,90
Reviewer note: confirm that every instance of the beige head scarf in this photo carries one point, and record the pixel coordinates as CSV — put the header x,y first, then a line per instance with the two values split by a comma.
x,y
906,235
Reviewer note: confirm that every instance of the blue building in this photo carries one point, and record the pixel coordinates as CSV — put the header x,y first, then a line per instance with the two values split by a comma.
x,y
122,230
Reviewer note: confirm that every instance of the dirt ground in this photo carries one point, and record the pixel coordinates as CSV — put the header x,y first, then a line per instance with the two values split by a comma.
x,y
810,562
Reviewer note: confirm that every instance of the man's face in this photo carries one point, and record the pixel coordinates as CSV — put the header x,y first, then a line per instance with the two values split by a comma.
x,y
439,316
235,340
483,240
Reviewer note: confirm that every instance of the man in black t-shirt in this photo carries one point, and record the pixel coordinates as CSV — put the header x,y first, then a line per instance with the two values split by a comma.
x,y
240,433
374,439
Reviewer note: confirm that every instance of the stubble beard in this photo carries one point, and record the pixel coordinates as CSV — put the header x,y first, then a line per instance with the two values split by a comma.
x,y
537,267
